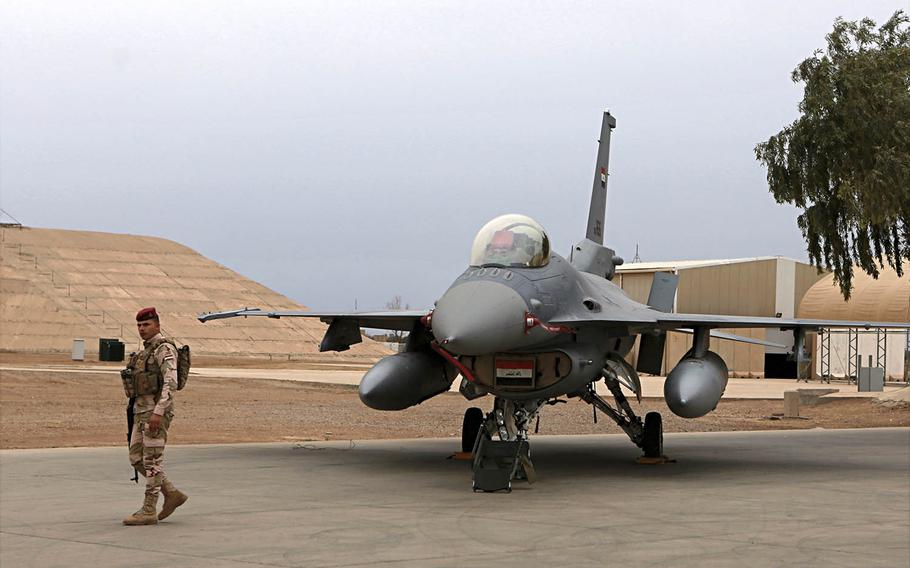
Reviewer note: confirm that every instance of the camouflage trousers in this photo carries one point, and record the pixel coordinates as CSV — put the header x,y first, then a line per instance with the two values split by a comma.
x,y
147,450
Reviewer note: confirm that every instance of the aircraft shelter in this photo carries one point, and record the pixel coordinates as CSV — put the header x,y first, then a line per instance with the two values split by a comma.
x,y
59,285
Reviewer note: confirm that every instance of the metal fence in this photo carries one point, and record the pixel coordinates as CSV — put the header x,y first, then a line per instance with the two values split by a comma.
x,y
877,352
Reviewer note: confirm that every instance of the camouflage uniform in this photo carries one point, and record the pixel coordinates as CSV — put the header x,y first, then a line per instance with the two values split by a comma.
x,y
155,365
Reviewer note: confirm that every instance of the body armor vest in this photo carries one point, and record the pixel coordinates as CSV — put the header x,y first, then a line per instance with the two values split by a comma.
x,y
147,377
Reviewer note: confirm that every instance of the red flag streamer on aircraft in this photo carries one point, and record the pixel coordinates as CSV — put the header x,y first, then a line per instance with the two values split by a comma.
x,y
465,372
532,321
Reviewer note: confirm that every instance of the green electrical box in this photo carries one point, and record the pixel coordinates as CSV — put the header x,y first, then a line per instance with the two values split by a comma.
x,y
110,349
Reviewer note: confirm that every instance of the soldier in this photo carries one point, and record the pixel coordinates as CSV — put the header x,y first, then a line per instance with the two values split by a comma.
x,y
151,382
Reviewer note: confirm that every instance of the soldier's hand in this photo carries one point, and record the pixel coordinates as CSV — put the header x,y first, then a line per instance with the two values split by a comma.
x,y
154,422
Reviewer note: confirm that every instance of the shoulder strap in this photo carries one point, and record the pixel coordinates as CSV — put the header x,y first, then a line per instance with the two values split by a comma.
x,y
154,346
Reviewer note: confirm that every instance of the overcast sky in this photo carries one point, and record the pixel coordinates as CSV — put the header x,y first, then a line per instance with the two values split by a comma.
x,y
340,150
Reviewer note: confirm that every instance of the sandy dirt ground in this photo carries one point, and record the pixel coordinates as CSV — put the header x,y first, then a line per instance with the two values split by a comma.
x,y
42,409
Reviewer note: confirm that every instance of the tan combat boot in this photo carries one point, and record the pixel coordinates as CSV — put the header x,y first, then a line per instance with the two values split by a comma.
x,y
173,498
146,515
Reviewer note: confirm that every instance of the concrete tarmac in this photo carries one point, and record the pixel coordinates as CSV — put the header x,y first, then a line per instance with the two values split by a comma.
x,y
785,498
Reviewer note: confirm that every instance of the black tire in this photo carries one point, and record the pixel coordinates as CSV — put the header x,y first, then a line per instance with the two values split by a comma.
x,y
653,440
470,427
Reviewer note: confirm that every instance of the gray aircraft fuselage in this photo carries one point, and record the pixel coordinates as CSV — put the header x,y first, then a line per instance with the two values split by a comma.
x,y
492,311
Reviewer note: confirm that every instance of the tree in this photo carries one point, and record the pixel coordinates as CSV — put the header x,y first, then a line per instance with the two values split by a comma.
x,y
395,304
846,160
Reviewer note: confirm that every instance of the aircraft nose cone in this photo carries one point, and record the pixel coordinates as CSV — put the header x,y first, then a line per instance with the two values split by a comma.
x,y
477,318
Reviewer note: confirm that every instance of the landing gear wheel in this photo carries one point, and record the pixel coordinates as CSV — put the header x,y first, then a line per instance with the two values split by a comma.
x,y
470,427
653,439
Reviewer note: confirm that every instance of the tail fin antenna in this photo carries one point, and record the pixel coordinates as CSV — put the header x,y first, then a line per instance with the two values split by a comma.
x,y
598,209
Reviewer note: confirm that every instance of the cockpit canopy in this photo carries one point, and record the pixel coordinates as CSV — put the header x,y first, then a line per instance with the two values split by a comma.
x,y
513,241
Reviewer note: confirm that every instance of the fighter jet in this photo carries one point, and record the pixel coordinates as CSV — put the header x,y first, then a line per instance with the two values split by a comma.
x,y
529,328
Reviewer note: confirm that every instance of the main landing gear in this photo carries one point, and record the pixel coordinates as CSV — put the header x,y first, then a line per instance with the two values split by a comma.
x,y
652,443
647,435
470,427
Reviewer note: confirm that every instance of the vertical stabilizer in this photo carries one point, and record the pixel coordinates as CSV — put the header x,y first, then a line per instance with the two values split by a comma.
x,y
663,291
598,208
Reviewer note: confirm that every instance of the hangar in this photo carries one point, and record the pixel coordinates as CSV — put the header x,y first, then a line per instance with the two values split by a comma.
x,y
839,353
782,287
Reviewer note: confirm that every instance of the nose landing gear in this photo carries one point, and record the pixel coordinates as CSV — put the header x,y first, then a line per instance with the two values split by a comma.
x,y
498,462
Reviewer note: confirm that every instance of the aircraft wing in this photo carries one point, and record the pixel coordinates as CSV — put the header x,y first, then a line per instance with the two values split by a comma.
x,y
682,322
674,321
401,320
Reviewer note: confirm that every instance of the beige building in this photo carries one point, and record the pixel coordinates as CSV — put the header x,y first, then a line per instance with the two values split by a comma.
x,y
886,298
763,286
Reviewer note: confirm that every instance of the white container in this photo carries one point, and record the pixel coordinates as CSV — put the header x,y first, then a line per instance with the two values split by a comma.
x,y
78,350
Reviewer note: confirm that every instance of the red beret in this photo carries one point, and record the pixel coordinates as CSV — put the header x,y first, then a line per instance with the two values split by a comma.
x,y
146,314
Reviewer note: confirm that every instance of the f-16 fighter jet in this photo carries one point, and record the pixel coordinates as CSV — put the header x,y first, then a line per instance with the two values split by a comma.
x,y
527,326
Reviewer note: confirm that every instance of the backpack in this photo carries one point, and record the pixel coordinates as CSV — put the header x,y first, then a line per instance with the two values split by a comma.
x,y
183,366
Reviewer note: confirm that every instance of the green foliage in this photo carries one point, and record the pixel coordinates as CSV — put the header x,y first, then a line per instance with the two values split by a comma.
x,y
846,160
